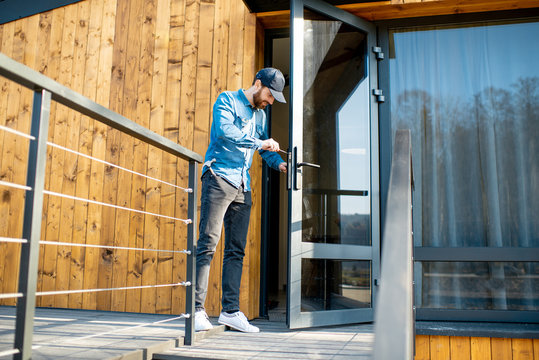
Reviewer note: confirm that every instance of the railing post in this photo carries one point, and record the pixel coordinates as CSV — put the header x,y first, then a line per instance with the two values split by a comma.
x,y
394,313
191,259
33,209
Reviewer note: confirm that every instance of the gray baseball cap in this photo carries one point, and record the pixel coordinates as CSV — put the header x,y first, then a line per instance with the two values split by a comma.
x,y
274,80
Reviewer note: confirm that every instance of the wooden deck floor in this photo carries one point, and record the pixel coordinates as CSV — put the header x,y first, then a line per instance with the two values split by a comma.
x,y
276,341
63,334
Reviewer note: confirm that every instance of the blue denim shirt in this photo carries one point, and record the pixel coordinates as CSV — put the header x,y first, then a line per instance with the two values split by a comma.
x,y
236,132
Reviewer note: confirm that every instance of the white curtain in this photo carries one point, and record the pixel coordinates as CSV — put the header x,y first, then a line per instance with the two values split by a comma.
x,y
470,96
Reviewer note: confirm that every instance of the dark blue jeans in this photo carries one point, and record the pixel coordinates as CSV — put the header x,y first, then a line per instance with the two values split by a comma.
x,y
222,202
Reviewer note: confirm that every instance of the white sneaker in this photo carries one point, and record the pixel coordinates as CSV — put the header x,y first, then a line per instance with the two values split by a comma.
x,y
202,322
237,321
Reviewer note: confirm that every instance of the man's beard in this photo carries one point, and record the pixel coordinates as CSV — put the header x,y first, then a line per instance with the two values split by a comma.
x,y
259,103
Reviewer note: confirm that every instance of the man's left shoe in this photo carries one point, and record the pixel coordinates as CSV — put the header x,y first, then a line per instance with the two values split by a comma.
x,y
237,321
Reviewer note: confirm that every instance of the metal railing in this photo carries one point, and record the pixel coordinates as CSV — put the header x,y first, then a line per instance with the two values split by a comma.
x,y
394,325
45,91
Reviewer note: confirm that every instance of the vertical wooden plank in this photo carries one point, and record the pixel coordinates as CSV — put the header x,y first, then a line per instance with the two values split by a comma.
x,y
26,39
7,170
123,100
54,219
157,121
122,146
480,348
422,347
536,349
203,85
70,171
52,54
152,189
45,65
20,163
253,238
235,82
235,45
104,76
186,124
172,115
136,224
522,349
6,140
460,347
219,84
97,170
439,347
501,348
50,227
81,215
80,209
121,236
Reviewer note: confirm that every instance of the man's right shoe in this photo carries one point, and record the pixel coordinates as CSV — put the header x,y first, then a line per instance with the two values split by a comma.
x,y
237,321
202,322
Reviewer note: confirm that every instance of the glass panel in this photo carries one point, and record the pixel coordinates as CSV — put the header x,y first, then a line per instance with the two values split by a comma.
x,y
480,285
338,219
335,284
470,96
336,133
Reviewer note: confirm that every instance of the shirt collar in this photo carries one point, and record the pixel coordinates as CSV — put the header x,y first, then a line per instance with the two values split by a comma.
x,y
245,101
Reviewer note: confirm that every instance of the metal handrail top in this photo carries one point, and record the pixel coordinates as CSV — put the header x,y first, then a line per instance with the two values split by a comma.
x,y
34,80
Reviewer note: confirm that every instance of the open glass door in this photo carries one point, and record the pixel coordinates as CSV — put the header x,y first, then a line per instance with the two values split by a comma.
x,y
334,238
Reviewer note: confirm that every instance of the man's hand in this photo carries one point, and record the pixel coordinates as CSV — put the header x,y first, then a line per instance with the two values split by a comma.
x,y
270,145
282,167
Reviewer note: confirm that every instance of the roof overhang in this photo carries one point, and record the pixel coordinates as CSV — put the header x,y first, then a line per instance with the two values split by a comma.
x,y
276,13
260,6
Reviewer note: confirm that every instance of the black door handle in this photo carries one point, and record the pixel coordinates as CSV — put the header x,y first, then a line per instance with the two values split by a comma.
x,y
307,164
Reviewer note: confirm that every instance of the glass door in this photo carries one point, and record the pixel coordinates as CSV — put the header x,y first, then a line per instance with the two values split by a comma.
x,y
334,240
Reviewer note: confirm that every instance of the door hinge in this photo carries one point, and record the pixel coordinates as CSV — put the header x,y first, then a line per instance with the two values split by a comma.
x,y
379,95
378,51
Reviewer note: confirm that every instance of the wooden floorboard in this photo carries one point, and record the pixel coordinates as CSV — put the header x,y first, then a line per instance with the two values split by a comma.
x,y
275,341
63,334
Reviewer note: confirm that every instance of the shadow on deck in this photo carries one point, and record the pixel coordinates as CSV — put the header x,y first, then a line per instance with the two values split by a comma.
x,y
86,334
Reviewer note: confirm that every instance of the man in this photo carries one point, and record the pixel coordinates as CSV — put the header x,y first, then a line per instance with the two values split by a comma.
x,y
239,128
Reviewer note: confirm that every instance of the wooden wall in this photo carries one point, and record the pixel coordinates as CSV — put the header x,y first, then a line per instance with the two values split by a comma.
x,y
161,63
475,348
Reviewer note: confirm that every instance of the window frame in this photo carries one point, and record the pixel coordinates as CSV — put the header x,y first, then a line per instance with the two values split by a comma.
x,y
447,254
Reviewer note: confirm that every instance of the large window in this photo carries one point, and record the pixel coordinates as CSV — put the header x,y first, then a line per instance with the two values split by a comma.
x,y
470,96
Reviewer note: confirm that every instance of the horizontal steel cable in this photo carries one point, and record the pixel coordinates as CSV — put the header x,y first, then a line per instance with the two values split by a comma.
x,y
185,221
11,295
13,185
16,132
13,240
117,166
45,242
9,352
188,252
75,339
80,291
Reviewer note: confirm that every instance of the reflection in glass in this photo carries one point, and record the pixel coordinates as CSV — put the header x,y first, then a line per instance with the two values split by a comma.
x,y
336,135
330,224
470,96
481,285
335,284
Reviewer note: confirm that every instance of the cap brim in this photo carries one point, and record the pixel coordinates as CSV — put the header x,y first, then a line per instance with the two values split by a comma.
x,y
278,96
